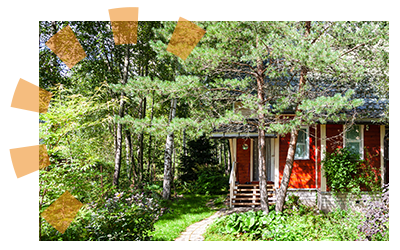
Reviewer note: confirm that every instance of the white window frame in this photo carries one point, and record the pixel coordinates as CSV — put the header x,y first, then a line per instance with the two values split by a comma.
x,y
307,156
361,150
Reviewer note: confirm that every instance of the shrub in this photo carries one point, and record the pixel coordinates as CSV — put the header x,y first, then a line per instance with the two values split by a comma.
x,y
211,181
342,170
291,225
376,223
125,216
346,172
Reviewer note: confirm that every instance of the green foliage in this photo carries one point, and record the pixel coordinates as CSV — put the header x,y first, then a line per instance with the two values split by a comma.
x,y
341,170
125,216
375,225
290,225
211,181
200,154
183,213
346,172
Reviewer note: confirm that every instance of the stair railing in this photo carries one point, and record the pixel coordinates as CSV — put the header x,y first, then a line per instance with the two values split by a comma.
x,y
232,181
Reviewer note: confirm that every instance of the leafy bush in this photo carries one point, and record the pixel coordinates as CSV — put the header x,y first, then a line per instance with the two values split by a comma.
x,y
125,216
291,225
346,172
342,170
245,222
376,223
211,181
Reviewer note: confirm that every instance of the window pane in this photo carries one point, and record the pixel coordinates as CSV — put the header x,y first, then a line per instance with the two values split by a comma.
x,y
300,151
353,133
301,146
354,147
301,137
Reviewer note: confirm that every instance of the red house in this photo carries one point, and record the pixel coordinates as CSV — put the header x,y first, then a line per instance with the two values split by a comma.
x,y
307,179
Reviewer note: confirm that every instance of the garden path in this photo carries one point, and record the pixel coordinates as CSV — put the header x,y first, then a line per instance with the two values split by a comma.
x,y
195,231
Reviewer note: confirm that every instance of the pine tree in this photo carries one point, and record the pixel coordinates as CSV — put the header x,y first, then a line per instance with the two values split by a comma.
x,y
200,152
275,67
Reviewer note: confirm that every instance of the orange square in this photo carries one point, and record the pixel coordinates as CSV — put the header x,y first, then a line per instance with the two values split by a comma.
x,y
44,160
66,46
44,100
26,96
185,37
62,212
124,14
25,160
124,32
124,23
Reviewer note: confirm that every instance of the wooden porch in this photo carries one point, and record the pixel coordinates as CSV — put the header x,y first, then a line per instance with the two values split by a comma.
x,y
248,195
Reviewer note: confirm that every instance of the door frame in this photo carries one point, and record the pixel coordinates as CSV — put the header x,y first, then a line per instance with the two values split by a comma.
x,y
271,155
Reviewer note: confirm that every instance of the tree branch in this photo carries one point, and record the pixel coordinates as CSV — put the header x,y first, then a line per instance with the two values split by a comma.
x,y
244,64
322,33
239,71
354,48
236,90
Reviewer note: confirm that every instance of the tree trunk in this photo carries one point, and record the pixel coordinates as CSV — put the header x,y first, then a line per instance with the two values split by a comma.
x,y
142,114
281,193
149,155
229,159
118,149
184,142
262,166
262,171
173,173
169,145
224,154
130,160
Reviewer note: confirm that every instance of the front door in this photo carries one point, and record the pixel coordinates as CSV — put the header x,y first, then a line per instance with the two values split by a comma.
x,y
270,159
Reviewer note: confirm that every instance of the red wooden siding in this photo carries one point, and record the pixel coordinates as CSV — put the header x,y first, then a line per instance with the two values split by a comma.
x,y
243,161
303,173
372,146
306,173
334,137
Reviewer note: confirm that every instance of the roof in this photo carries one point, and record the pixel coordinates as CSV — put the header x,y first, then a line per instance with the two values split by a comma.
x,y
373,109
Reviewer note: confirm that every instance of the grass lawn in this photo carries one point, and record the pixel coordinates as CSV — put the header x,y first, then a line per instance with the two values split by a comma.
x,y
185,212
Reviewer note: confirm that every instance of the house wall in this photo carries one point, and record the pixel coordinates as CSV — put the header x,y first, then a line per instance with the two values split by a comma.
x,y
372,146
243,161
334,137
327,202
304,174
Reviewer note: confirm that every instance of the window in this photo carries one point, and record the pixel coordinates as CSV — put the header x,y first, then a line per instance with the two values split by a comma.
x,y
302,146
353,139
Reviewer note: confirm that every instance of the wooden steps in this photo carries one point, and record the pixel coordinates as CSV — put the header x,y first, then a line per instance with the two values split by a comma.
x,y
249,195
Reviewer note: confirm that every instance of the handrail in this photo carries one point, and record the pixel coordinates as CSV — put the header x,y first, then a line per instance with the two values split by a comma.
x,y
232,181
233,172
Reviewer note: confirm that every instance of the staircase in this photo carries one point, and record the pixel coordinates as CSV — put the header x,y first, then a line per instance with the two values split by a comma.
x,y
248,195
